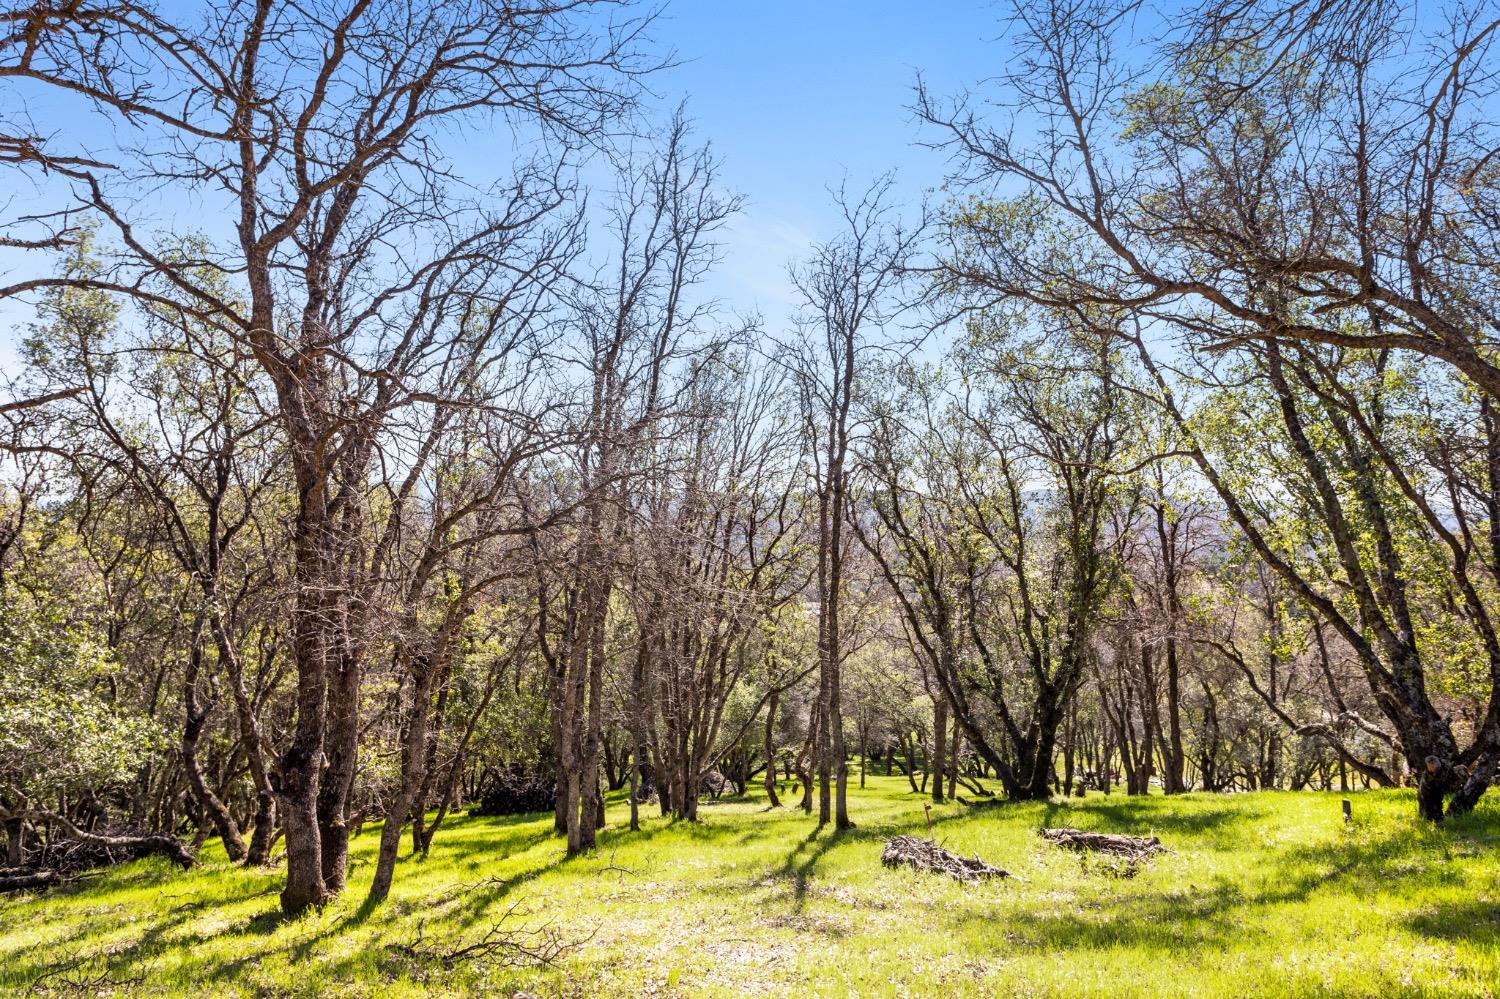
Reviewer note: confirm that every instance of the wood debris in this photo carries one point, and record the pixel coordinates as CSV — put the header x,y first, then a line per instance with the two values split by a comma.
x,y
1133,850
925,855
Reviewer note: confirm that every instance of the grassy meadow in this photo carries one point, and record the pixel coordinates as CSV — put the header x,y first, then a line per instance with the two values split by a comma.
x,y
1262,894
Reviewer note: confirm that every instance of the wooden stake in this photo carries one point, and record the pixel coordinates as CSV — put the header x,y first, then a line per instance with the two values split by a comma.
x,y
928,809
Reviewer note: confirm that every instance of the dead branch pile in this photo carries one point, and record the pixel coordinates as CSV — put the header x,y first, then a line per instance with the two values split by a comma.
x,y
1135,850
925,855
76,850
88,850
715,784
516,791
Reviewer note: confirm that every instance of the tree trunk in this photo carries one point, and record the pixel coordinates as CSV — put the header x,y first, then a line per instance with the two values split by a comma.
x,y
638,725
939,745
1175,762
254,742
770,747
301,767
909,744
591,801
338,778
15,841
953,763
864,754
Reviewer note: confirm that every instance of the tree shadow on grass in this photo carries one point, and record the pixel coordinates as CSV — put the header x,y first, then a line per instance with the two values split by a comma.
x,y
165,935
488,834
1404,863
1392,861
1472,922
798,869
165,931
297,949
476,901
484,848
1151,922
78,948
91,927
1154,815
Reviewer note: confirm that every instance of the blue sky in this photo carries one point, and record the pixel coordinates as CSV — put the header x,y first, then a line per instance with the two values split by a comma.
x,y
794,97
797,96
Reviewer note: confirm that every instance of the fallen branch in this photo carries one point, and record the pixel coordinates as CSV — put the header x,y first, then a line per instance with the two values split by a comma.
x,y
133,845
76,977
925,855
499,946
622,871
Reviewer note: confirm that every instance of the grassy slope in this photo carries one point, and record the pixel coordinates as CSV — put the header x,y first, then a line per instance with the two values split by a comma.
x,y
1264,894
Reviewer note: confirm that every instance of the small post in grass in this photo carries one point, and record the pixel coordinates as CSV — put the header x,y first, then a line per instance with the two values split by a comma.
x,y
1348,811
926,807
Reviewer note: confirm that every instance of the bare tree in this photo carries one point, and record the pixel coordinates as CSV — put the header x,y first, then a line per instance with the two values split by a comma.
x,y
721,569
455,540
642,338
849,296
362,273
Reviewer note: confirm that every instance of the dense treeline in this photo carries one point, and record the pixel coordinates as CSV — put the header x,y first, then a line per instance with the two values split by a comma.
x,y
1162,456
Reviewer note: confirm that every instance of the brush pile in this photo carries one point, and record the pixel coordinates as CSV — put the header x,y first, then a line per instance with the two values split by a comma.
x,y
1128,853
1135,848
925,855
716,784
75,851
516,791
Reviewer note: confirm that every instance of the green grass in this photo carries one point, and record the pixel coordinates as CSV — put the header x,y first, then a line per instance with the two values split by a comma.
x,y
1263,894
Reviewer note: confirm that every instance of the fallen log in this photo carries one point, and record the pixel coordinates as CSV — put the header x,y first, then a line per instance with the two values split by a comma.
x,y
22,879
134,845
925,855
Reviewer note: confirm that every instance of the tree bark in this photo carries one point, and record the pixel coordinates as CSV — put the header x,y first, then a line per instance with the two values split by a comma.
x,y
939,746
770,748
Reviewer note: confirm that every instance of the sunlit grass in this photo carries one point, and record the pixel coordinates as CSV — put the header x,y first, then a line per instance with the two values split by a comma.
x,y
1263,894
